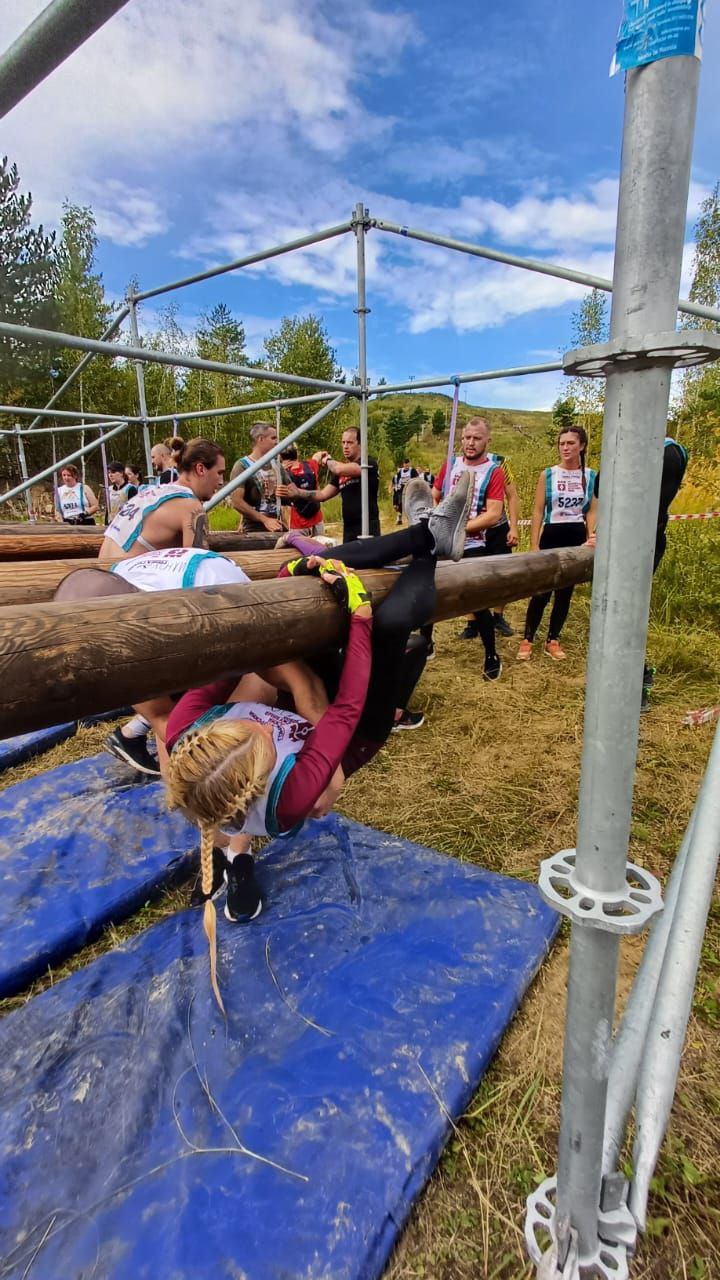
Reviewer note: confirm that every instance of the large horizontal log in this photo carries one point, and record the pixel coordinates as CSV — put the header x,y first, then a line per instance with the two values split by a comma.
x,y
24,527
72,541
57,664
32,581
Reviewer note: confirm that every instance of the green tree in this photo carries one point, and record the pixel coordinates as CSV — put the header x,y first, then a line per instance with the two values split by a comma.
x,y
397,433
28,270
564,415
698,412
83,308
301,345
416,421
589,325
438,422
219,336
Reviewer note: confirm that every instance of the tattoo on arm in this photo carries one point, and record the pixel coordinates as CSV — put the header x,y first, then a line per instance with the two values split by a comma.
x,y
199,526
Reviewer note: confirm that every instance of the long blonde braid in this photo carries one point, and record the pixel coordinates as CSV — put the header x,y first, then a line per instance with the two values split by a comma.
x,y
214,774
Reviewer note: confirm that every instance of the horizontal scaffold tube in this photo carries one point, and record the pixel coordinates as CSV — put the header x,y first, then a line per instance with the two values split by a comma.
x,y
35,581
72,541
58,664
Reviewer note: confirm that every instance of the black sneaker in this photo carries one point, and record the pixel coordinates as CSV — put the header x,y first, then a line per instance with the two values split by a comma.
x,y
492,668
218,881
409,720
132,751
470,632
502,627
244,901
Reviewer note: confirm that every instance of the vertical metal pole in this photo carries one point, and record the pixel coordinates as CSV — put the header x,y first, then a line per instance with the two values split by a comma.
x,y
277,419
82,434
106,483
657,144
360,221
140,375
24,474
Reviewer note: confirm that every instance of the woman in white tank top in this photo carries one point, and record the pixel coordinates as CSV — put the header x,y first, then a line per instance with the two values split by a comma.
x,y
564,515
76,502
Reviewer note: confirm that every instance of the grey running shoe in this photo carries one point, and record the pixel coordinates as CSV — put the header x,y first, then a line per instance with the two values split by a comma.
x,y
417,501
132,751
448,520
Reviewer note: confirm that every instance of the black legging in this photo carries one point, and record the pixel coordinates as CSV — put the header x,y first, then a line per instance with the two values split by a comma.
x,y
553,536
395,671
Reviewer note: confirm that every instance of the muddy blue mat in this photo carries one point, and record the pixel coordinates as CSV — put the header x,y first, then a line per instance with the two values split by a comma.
x,y
26,745
143,1136
80,846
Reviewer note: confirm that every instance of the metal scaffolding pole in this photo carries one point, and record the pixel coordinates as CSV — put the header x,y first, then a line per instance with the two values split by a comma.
x,y
25,488
360,225
657,146
140,375
314,237
673,1002
76,373
488,375
21,412
529,264
271,454
56,33
27,334
57,466
194,414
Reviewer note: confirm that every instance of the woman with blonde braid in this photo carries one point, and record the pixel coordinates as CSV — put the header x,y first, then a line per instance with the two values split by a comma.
x,y
253,770
564,515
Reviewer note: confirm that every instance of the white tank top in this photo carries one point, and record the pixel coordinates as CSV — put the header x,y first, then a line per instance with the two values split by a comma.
x,y
71,499
126,526
289,732
481,479
566,499
179,567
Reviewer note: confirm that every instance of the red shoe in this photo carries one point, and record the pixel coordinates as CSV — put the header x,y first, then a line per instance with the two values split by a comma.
x,y
553,650
524,653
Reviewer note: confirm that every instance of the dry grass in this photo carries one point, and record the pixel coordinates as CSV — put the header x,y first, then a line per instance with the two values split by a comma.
x,y
493,778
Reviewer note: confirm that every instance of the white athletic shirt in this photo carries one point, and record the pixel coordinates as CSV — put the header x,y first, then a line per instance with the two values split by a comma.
x,y
289,732
566,500
71,500
481,479
126,526
178,567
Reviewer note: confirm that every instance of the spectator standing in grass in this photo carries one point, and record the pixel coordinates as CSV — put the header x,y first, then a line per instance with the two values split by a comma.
x,y
564,515
486,511
303,475
257,499
404,473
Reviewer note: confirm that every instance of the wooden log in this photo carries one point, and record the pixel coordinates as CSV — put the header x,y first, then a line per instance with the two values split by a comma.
x,y
22,527
32,581
74,541
58,664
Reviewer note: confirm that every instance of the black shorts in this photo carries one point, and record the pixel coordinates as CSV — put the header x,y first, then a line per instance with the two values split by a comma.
x,y
496,540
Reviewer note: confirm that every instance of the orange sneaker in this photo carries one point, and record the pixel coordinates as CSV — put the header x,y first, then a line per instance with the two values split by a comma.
x,y
524,653
553,650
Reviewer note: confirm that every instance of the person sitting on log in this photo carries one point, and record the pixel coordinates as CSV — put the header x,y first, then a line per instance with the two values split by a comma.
x,y
169,515
252,770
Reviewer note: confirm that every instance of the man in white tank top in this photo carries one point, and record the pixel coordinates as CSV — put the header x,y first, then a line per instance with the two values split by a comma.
x,y
486,511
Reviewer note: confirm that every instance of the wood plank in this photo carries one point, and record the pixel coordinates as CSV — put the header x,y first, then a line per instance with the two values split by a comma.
x,y
57,664
32,581
74,542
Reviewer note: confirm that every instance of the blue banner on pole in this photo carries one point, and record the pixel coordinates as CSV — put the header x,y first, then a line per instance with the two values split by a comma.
x,y
654,29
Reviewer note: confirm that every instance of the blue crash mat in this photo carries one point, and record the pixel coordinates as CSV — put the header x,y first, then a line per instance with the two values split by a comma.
x,y
26,745
143,1136
80,846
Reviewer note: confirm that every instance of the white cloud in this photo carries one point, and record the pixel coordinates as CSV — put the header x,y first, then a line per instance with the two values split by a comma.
x,y
160,87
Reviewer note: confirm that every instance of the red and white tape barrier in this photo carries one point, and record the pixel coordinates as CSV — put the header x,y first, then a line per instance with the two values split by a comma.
x,y
704,715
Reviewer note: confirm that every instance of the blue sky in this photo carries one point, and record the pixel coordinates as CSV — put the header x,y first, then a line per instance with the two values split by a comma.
x,y
199,130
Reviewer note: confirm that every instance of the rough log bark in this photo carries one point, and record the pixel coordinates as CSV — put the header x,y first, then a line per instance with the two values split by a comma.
x,y
33,581
72,542
57,665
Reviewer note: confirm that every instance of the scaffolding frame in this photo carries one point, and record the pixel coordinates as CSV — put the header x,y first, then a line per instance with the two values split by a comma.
x,y
585,1221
